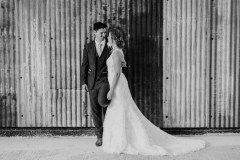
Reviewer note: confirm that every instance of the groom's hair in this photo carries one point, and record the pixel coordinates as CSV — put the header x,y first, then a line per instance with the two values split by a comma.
x,y
99,25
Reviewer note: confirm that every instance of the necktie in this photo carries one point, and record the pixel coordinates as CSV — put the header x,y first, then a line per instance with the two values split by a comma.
x,y
99,49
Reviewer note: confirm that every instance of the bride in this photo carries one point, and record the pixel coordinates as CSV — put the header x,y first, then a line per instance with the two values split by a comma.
x,y
126,130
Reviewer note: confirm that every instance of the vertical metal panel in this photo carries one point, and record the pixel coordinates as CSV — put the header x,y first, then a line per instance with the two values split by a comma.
x,y
144,71
225,64
201,63
8,103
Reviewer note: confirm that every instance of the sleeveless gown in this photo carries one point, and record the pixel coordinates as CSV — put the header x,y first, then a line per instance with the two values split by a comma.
x,y
126,130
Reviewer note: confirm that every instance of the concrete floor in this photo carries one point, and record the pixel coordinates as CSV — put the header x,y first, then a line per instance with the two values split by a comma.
x,y
219,147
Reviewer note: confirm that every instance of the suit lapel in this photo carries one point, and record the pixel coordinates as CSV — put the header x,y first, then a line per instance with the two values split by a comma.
x,y
106,50
93,51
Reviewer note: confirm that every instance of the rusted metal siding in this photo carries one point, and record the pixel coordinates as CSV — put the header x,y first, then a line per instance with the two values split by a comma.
x,y
32,59
8,99
65,59
201,63
40,64
225,64
41,53
182,60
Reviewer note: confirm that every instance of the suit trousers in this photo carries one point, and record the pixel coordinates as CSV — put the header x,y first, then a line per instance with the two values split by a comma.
x,y
99,103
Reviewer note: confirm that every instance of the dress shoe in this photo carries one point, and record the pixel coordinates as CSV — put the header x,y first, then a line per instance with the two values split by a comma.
x,y
99,142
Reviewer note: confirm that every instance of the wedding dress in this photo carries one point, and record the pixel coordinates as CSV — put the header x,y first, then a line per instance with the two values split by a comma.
x,y
126,130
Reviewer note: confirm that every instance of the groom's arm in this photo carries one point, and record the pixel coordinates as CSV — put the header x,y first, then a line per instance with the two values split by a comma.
x,y
84,68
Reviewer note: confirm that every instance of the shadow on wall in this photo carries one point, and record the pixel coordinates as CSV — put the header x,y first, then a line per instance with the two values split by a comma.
x,y
8,110
144,56
8,107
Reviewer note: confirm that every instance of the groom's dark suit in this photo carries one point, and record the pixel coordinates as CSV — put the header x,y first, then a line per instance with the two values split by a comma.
x,y
94,74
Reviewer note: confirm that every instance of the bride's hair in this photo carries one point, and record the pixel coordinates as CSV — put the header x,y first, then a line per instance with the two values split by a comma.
x,y
117,35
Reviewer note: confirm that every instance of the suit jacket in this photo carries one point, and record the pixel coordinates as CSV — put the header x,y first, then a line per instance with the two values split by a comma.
x,y
94,68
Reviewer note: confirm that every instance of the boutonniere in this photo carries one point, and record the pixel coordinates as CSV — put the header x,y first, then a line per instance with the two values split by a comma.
x,y
109,47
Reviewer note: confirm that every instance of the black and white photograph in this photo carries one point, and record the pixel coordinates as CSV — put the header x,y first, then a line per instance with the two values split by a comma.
x,y
119,79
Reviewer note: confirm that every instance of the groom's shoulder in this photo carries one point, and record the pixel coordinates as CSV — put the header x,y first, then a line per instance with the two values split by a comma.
x,y
89,44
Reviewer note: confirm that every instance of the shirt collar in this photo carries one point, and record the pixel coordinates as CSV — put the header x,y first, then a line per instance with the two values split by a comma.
x,y
103,42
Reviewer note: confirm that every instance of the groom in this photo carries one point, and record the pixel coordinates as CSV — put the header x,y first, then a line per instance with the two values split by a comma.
x,y
95,76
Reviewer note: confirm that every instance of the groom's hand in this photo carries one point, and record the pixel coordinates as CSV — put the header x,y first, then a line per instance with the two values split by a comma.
x,y
84,87
124,64
109,95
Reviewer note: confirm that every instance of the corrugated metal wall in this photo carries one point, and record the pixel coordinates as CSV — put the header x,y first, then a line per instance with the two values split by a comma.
x,y
41,50
201,63
182,60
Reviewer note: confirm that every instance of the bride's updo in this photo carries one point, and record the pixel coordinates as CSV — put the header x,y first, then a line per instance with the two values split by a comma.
x,y
117,35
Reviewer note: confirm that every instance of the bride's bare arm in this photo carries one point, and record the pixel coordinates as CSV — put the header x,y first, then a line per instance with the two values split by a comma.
x,y
117,57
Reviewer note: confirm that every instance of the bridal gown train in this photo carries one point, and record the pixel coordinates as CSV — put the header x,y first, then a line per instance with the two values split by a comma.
x,y
126,130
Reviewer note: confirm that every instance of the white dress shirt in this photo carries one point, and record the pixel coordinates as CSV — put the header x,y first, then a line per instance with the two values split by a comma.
x,y
102,46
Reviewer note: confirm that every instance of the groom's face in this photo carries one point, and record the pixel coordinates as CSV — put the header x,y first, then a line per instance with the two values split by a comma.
x,y
100,34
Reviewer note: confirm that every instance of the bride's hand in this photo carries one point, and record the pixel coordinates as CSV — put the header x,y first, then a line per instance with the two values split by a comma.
x,y
109,95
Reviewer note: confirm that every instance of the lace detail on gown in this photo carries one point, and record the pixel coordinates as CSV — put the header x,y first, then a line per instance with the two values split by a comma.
x,y
126,130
